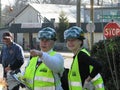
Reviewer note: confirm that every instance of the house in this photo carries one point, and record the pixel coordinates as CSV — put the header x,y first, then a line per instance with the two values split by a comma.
x,y
39,13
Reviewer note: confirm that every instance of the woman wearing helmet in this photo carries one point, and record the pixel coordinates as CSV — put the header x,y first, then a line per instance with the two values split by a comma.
x,y
46,66
83,68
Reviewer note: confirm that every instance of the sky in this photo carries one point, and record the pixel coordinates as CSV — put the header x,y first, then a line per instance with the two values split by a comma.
x,y
10,2
6,2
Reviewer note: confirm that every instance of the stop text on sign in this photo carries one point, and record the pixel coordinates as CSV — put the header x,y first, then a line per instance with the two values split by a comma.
x,y
111,29
112,32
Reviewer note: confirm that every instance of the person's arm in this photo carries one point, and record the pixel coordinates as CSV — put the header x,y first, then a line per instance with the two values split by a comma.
x,y
1,58
87,61
1,55
55,63
97,66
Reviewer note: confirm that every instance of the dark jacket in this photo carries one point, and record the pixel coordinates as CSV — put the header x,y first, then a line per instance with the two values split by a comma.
x,y
84,62
12,56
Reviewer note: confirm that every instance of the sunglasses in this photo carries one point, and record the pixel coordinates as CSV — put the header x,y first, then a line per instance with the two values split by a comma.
x,y
5,38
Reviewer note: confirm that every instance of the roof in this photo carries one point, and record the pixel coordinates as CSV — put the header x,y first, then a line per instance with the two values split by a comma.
x,y
52,11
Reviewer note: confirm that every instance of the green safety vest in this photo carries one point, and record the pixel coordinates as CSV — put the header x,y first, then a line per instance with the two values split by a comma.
x,y
75,79
41,77
97,80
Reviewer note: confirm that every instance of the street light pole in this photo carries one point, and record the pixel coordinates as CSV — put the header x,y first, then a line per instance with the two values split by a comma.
x,y
78,13
92,19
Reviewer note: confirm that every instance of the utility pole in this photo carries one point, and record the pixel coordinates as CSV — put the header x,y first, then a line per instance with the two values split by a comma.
x,y
0,13
92,19
92,10
78,13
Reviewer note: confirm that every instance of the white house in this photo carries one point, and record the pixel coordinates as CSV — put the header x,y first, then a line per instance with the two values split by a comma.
x,y
37,13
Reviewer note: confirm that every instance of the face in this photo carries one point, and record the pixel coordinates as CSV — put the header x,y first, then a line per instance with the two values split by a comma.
x,y
7,41
73,44
46,44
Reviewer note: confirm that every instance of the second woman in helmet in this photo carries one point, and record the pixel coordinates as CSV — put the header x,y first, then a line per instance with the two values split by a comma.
x,y
84,68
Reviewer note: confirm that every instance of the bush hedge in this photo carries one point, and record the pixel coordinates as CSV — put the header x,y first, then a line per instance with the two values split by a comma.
x,y
108,52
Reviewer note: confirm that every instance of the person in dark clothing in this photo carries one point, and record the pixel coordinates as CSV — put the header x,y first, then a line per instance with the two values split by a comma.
x,y
84,71
84,61
12,55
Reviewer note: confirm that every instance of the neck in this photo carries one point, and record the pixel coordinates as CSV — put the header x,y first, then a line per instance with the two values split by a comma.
x,y
77,50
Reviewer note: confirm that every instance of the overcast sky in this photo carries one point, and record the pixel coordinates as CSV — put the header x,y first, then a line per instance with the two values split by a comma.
x,y
10,2
7,2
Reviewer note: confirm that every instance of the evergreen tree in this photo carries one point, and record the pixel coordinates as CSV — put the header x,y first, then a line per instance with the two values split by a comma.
x,y
63,25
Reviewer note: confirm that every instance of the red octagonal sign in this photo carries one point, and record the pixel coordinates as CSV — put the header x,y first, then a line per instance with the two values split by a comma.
x,y
111,29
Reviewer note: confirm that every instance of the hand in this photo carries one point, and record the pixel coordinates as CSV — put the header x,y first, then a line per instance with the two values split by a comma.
x,y
88,79
88,85
34,53
7,69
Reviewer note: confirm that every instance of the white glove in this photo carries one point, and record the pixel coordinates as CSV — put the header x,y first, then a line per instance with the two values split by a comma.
x,y
88,86
11,81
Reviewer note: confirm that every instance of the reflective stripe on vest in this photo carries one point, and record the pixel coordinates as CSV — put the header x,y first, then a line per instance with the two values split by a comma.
x,y
44,88
75,84
44,79
96,77
99,86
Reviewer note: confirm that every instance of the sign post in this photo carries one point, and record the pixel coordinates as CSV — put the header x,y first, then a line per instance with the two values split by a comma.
x,y
91,28
112,29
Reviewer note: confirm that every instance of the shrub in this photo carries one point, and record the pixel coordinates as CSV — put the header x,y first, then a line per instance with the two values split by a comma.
x,y
108,51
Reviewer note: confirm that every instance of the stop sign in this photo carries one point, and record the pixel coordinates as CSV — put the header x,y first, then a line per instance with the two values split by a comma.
x,y
111,29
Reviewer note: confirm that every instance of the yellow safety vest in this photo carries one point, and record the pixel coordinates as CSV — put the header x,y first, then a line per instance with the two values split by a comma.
x,y
41,77
97,80
75,79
